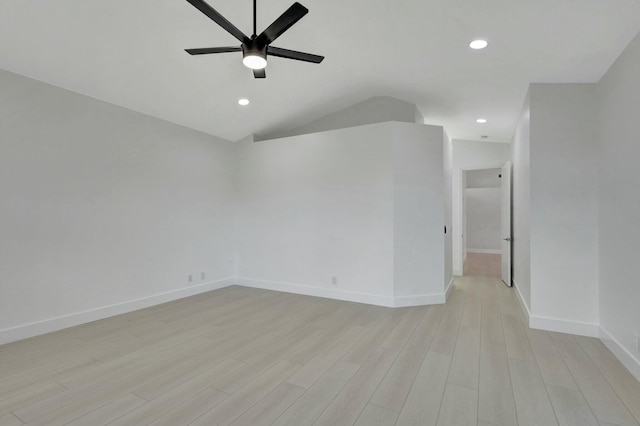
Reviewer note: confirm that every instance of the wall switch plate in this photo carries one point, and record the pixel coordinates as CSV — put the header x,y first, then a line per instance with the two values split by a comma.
x,y
203,275
334,280
190,278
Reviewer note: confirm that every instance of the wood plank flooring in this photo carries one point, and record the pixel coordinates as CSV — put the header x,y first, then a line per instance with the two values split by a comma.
x,y
485,264
241,356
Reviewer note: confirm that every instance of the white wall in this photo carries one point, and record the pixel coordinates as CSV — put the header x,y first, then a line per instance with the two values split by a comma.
x,y
581,141
330,204
106,210
373,110
564,206
483,219
448,210
317,206
419,196
521,228
618,95
102,206
469,155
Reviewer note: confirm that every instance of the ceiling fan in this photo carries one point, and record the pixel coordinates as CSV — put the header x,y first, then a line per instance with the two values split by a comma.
x,y
256,48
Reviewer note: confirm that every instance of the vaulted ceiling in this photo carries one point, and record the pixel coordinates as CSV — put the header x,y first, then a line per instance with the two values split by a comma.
x,y
130,53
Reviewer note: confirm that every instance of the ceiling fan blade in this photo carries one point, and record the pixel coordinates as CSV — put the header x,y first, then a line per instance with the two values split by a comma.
x,y
207,50
292,54
203,7
259,73
282,24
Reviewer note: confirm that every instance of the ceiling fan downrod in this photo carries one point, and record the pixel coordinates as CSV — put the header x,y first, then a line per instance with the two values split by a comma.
x,y
255,13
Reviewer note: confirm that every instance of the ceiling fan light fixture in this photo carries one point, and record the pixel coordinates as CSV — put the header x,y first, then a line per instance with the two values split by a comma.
x,y
255,48
254,61
254,58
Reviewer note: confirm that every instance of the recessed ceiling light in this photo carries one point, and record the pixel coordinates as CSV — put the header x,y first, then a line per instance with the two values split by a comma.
x,y
478,44
481,120
243,101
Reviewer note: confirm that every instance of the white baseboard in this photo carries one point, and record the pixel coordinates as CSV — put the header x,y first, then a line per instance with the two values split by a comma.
x,y
564,326
330,293
419,300
54,324
349,296
630,361
556,324
521,301
447,291
484,251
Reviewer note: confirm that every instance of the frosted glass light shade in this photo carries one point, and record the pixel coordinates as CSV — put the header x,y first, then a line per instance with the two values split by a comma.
x,y
255,62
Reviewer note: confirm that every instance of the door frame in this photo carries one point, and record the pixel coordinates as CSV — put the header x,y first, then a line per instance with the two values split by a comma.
x,y
506,227
459,214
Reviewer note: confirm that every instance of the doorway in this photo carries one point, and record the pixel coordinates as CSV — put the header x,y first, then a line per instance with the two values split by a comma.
x,y
482,222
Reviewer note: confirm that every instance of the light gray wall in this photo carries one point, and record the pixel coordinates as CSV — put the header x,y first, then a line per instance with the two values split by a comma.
x,y
448,209
374,110
582,142
102,205
418,216
618,95
106,209
564,203
521,227
362,204
483,219
317,206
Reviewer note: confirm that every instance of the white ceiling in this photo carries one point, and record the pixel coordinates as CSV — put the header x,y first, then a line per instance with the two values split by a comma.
x,y
130,53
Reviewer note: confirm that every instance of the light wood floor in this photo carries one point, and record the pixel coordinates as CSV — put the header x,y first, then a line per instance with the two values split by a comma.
x,y
250,357
483,264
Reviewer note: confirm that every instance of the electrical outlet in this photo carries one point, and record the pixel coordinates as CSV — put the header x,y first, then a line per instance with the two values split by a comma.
x,y
203,275
334,280
190,278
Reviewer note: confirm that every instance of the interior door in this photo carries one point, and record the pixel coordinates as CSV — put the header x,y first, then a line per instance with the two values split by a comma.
x,y
505,225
